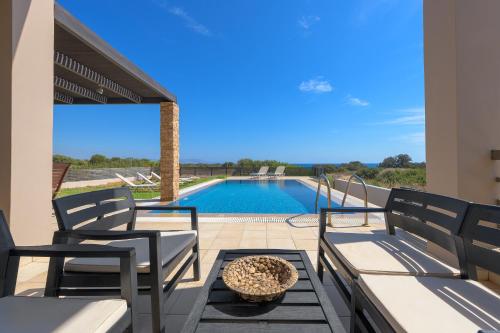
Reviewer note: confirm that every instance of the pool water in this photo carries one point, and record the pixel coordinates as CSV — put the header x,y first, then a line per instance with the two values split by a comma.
x,y
253,196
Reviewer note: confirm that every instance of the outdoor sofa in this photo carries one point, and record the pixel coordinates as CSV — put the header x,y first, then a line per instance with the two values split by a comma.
x,y
436,304
95,216
430,217
24,314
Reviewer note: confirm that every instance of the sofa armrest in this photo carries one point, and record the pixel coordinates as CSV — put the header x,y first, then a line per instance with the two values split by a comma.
x,y
105,234
74,250
128,273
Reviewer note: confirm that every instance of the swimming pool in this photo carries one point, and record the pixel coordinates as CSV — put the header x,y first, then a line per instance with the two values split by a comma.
x,y
253,196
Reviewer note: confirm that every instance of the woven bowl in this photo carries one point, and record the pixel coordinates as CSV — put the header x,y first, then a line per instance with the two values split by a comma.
x,y
260,278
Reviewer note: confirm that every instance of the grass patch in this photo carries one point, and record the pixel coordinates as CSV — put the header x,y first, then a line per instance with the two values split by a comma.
x,y
138,193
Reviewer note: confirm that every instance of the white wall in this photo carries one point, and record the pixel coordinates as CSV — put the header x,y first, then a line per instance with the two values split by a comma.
x,y
462,92
376,195
26,97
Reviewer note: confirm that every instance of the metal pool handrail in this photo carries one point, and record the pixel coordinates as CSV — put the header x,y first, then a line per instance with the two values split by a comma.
x,y
360,180
329,195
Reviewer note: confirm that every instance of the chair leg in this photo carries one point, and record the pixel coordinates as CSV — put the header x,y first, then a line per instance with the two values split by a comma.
x,y
54,272
196,264
55,269
352,326
156,285
321,269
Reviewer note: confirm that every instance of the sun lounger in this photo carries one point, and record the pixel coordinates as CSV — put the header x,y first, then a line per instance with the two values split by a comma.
x,y
181,179
261,173
132,185
279,172
146,179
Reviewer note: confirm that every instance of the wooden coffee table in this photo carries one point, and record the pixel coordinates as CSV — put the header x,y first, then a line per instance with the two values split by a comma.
x,y
304,308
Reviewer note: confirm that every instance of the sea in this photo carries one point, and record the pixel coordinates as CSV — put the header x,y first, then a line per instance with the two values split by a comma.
x,y
310,165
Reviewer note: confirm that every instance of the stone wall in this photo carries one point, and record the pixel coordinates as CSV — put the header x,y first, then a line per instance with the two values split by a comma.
x,y
75,175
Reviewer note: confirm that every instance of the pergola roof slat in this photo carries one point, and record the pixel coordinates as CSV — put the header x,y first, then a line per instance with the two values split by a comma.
x,y
85,72
76,89
86,60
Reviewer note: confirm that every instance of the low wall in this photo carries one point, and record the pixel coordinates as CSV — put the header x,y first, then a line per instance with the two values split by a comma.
x,y
376,195
75,175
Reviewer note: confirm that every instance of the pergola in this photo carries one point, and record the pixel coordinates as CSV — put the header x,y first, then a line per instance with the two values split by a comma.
x,y
48,57
87,70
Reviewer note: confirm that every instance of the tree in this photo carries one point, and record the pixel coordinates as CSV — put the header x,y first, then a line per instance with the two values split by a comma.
x,y
388,162
245,163
403,161
353,165
97,159
398,161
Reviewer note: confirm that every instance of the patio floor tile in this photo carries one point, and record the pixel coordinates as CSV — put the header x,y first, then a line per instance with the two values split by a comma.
x,y
254,234
230,234
306,244
225,243
280,243
281,234
253,243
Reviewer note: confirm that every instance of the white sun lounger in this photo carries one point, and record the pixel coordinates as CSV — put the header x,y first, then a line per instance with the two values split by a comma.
x,y
132,185
262,172
146,179
155,175
279,172
181,179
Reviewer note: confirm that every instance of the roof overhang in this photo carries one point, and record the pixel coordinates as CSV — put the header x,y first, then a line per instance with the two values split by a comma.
x,y
87,70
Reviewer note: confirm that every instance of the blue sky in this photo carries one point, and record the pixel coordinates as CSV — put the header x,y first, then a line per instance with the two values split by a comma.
x,y
300,81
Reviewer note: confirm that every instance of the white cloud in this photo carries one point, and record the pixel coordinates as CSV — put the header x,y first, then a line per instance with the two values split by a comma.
x,y
307,21
354,101
317,85
414,116
414,138
190,22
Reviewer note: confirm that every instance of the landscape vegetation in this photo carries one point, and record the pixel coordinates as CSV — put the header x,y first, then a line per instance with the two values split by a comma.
x,y
393,171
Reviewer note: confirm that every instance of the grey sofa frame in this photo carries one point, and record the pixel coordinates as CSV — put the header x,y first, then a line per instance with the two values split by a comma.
x,y
471,235
407,209
107,209
10,255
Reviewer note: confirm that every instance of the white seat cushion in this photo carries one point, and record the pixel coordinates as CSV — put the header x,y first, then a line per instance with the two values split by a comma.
x,y
430,304
172,243
19,314
379,253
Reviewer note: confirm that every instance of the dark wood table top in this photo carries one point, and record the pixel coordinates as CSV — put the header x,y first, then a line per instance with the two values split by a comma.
x,y
304,308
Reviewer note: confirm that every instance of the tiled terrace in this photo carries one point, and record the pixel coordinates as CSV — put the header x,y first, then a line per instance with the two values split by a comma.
x,y
213,237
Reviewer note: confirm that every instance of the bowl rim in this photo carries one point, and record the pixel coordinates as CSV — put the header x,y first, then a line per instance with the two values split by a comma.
x,y
294,276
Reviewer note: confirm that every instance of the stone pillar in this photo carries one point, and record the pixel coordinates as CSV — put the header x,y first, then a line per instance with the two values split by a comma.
x,y
26,108
169,143
462,94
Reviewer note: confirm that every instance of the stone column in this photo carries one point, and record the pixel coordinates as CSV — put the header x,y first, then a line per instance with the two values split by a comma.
x,y
26,108
169,143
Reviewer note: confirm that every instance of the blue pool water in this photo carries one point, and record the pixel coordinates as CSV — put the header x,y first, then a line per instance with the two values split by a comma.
x,y
261,197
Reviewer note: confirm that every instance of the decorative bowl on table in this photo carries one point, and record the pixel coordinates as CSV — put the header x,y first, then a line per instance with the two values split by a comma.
x,y
260,278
